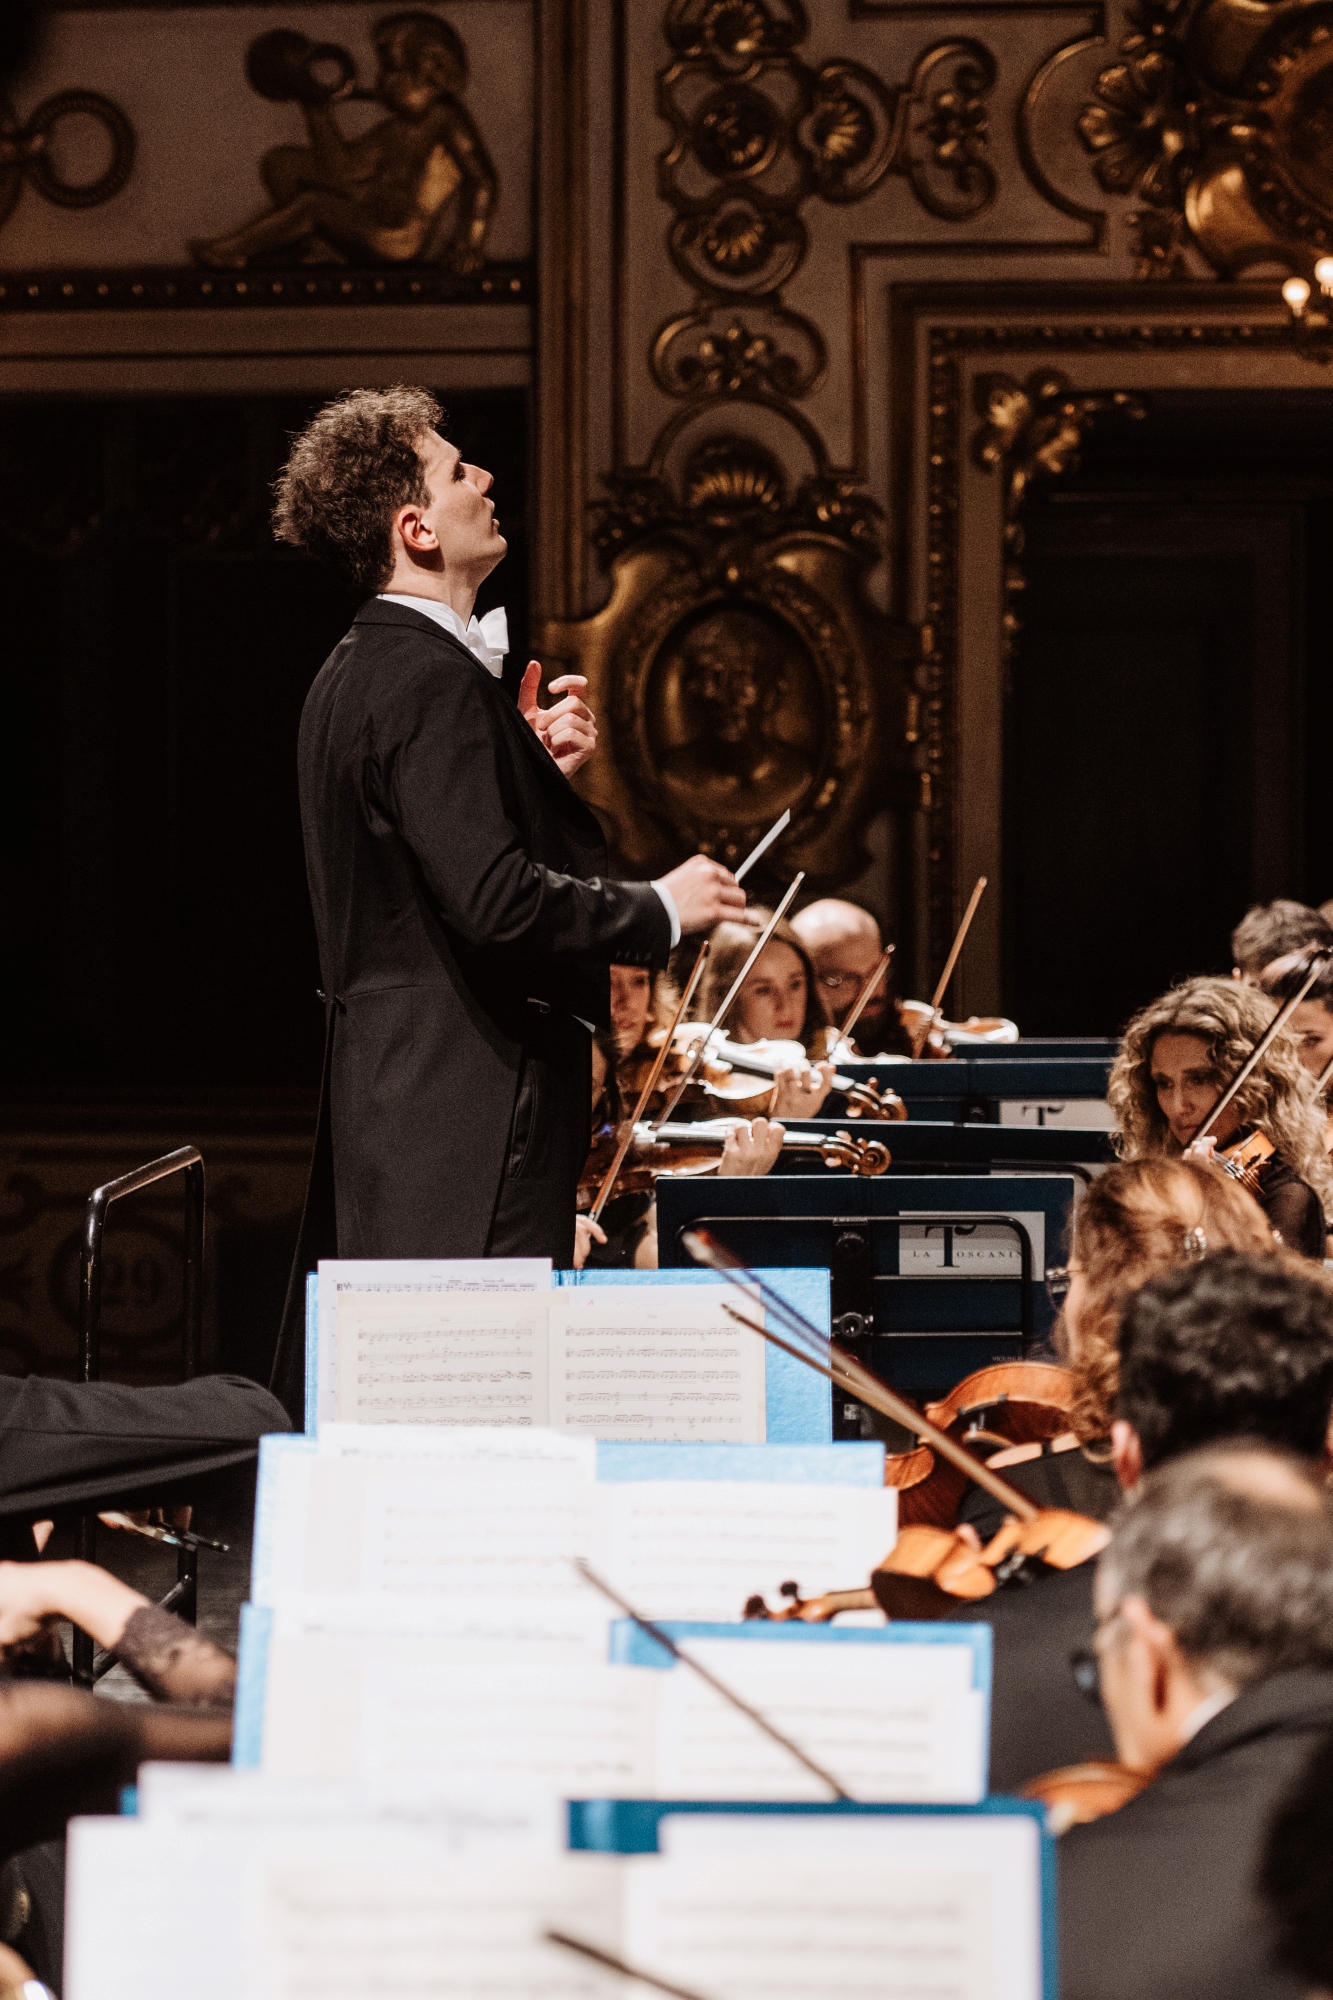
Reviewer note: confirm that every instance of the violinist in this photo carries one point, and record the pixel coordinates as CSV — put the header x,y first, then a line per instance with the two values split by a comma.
x,y
1177,1058
1235,1346
1137,1219
1212,1650
1311,1025
779,1002
1273,930
844,945
626,1236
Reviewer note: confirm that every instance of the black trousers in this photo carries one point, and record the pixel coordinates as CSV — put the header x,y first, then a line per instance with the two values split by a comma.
x,y
548,1144
70,1446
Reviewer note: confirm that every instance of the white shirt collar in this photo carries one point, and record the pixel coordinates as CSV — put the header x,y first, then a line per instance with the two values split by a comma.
x,y
1199,1717
487,638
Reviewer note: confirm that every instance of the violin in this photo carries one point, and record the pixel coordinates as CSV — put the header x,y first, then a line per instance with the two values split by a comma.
x,y
695,1150
1245,1159
742,1072
1079,1793
929,1570
934,1039
1008,1403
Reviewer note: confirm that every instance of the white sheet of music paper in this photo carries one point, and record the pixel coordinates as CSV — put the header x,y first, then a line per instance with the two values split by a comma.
x,y
893,1722
655,1362
699,1549
459,1819
324,1656
442,1357
583,1731
341,1278
352,1910
676,1548
874,1905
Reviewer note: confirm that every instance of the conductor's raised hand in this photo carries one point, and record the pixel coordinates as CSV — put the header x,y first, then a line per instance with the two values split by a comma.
x,y
569,730
704,893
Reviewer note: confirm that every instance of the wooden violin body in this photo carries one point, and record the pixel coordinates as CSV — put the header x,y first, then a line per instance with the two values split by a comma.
x,y
742,1074
1078,1793
1246,1159
930,1572
689,1150
1011,1402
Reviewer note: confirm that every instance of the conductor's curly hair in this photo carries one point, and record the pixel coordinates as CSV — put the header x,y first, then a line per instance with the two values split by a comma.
x,y
347,474
1228,1016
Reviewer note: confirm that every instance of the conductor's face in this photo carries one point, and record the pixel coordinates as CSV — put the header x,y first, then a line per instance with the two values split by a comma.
x,y
458,513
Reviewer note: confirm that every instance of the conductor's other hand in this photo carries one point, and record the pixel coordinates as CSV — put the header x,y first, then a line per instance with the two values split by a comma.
x,y
704,893
569,730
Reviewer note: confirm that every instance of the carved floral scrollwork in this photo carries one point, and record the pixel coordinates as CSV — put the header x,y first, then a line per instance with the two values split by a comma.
x,y
718,351
1215,117
1033,430
956,128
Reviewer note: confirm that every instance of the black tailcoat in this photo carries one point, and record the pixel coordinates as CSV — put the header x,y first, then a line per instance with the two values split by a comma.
x,y
459,901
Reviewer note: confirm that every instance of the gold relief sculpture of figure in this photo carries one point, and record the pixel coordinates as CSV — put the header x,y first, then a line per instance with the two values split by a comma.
x,y
731,695
379,197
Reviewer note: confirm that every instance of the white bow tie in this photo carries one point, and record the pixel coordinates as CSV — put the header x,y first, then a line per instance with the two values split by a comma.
x,y
488,638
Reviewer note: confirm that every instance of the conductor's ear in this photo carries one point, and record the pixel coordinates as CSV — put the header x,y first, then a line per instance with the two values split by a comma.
x,y
415,532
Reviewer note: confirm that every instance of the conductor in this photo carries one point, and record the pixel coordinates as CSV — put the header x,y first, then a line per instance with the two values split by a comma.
x,y
464,921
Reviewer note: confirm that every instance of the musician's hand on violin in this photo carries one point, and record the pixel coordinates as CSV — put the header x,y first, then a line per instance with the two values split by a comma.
x,y
586,1233
799,1093
1201,1150
569,730
751,1149
704,893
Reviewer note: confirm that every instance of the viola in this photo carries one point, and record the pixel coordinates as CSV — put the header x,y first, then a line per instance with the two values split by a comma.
x,y
1008,1403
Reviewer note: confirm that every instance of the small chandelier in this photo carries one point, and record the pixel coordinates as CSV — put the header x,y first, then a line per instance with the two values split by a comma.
x,y
1312,326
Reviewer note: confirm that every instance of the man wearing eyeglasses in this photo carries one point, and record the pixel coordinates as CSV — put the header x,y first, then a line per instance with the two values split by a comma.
x,y
844,944
1214,1654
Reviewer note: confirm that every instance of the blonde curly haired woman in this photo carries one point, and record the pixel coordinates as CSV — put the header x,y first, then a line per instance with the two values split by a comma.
x,y
1176,1059
1136,1220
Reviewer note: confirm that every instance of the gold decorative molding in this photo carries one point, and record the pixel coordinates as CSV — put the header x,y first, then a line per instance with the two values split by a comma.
x,y
1214,118
739,667
25,152
376,197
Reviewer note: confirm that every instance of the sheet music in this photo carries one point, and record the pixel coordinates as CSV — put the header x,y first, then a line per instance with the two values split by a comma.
x,y
893,1722
442,1357
681,1549
342,1276
583,1731
460,1820
471,1444
655,1362
324,1655
746,1907
345,1910
349,1926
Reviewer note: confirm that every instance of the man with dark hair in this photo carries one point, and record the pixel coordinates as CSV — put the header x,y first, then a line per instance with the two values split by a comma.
x,y
1311,1021
1214,1649
1297,1877
1271,930
464,920
1232,1346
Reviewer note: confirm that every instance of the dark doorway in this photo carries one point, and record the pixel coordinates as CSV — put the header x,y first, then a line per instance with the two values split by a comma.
x,y
1170,701
158,648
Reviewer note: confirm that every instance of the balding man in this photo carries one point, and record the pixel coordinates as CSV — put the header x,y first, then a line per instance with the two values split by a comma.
x,y
1214,1652
844,944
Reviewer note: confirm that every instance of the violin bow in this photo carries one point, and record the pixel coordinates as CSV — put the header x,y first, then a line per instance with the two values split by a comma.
x,y
730,999
1325,1075
620,1965
627,1137
960,940
844,1033
844,1371
668,1644
1319,958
